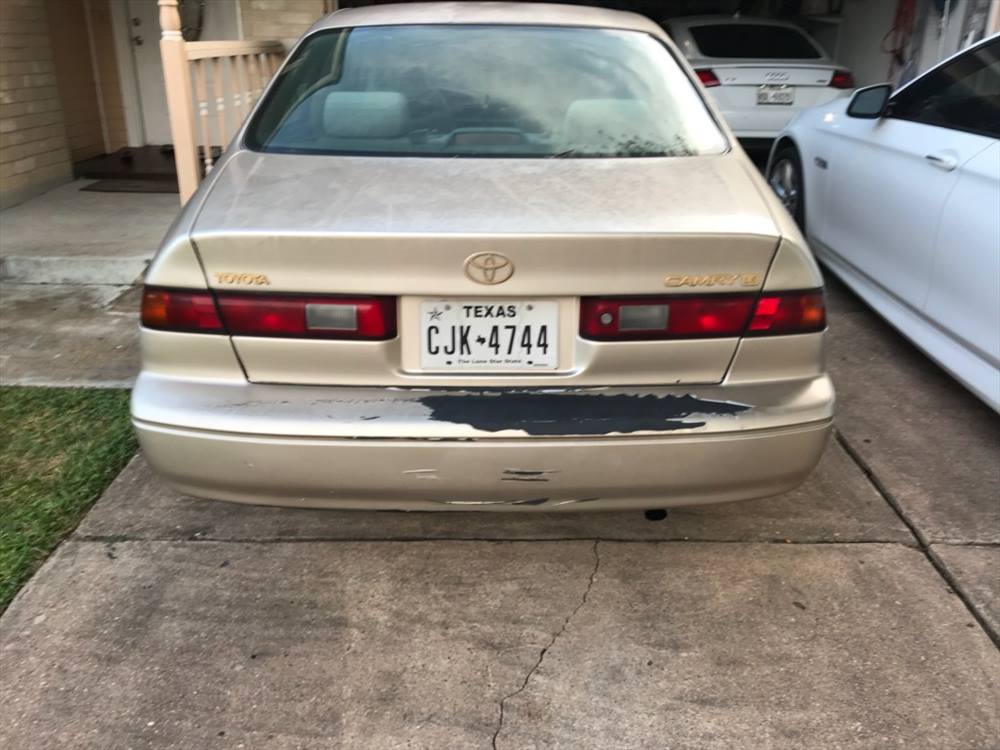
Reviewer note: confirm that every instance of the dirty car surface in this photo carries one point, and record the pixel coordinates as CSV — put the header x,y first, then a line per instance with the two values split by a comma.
x,y
483,256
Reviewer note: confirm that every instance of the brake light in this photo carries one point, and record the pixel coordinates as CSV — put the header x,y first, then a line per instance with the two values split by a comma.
x,y
293,316
180,310
842,79
278,315
790,312
714,316
707,77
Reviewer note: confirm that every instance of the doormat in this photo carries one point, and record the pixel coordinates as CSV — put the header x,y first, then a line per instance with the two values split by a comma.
x,y
132,186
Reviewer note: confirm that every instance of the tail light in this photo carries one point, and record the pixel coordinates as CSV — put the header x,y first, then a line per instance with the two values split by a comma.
x,y
842,79
715,316
275,315
707,77
790,312
370,318
180,310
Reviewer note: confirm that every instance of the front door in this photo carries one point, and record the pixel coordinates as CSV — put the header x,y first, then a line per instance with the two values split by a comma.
x,y
215,20
144,37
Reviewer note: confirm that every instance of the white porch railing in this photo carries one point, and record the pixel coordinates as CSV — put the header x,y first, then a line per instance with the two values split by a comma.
x,y
211,87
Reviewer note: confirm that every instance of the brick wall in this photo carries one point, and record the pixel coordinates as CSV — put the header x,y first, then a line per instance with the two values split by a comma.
x,y
33,151
284,20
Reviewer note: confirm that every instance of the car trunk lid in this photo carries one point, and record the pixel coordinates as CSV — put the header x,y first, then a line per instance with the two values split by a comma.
x,y
407,227
756,73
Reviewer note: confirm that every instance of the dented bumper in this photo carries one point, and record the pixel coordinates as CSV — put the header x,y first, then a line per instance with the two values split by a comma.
x,y
503,449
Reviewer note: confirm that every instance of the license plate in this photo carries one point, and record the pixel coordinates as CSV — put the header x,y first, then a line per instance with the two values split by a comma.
x,y
775,94
487,336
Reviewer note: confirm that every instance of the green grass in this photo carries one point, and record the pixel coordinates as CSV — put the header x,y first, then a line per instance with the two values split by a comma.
x,y
59,449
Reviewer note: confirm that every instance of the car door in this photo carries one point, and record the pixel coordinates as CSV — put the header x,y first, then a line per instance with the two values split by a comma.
x,y
964,296
891,177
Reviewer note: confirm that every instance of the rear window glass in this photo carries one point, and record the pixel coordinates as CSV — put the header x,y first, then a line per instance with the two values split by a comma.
x,y
752,40
454,90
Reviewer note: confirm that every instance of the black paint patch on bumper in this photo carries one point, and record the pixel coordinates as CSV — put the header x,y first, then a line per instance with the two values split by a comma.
x,y
553,414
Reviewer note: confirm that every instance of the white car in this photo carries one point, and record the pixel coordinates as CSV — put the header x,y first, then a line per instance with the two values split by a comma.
x,y
899,195
761,72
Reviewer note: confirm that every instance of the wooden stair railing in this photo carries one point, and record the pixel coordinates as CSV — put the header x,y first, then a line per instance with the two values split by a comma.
x,y
211,87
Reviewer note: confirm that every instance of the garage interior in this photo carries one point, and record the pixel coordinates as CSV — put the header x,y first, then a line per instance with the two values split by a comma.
x,y
879,40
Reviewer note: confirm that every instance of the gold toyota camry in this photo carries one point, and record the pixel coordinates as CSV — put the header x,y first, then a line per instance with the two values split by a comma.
x,y
483,256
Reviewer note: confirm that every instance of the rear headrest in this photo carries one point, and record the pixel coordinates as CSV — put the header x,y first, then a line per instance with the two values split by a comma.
x,y
365,114
608,122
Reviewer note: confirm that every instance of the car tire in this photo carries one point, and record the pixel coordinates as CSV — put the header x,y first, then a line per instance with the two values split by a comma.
x,y
784,175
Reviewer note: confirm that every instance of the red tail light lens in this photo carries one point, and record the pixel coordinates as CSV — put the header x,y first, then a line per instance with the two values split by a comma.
x,y
180,310
795,312
715,316
278,315
602,319
842,79
707,77
366,318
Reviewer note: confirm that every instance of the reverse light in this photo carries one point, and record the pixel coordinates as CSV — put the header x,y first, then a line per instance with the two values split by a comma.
x,y
707,77
637,318
842,79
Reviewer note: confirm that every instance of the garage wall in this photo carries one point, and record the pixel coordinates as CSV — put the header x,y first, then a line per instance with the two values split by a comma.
x,y
864,24
34,154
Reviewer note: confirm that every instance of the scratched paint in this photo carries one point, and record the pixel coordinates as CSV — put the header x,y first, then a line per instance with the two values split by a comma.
x,y
530,501
526,475
576,413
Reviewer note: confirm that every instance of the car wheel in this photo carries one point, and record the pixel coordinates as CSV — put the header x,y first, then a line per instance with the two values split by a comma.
x,y
785,179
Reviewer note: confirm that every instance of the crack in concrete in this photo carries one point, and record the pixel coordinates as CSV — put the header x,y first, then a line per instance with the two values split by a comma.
x,y
549,645
923,543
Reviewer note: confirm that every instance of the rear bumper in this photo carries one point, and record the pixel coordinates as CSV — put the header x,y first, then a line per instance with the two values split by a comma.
x,y
386,449
579,474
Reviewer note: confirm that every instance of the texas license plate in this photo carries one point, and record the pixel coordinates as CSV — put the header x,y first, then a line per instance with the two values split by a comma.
x,y
775,94
460,334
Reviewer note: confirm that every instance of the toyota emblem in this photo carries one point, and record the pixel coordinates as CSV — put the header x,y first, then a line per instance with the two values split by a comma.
x,y
489,268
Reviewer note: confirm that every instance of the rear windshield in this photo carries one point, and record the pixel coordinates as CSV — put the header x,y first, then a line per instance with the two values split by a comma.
x,y
753,40
453,90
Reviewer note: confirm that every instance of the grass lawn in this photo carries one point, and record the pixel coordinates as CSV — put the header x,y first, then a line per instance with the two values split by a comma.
x,y
59,449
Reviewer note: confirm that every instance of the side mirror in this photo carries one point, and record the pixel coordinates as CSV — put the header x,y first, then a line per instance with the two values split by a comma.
x,y
870,102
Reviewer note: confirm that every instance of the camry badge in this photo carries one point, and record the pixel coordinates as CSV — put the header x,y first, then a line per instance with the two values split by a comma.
x,y
713,279
489,268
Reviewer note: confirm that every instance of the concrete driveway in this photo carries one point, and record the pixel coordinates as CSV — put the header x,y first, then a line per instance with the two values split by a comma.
x,y
860,611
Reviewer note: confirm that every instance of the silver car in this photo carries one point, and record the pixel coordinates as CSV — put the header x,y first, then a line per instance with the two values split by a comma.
x,y
491,256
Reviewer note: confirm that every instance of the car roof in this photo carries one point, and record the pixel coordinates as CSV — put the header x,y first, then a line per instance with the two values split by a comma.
x,y
685,22
526,14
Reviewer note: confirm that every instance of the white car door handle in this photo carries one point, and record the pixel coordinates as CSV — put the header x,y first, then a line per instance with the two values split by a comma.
x,y
942,161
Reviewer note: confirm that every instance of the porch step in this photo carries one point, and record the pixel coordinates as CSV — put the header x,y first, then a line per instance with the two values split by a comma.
x,y
72,236
85,269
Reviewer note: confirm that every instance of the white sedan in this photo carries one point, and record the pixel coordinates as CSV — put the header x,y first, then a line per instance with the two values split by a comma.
x,y
899,195
761,72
